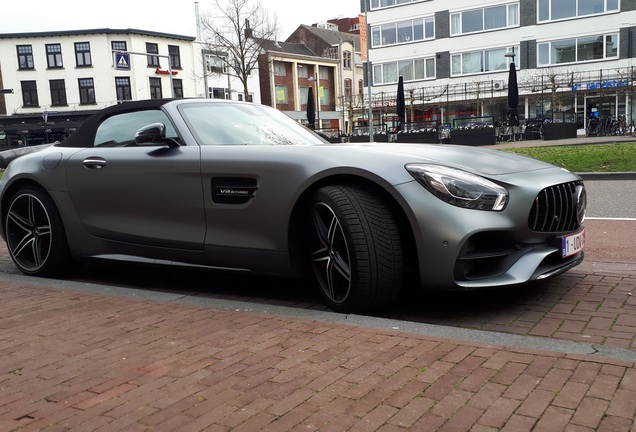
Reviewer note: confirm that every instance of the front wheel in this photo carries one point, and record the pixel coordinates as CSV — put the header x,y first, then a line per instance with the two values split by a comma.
x,y
356,253
35,235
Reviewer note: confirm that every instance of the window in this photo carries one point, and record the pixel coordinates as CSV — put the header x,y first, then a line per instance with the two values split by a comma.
x,y
375,4
581,49
552,10
323,95
217,92
122,88
153,60
29,94
58,92
177,88
281,94
118,46
346,59
250,97
215,64
155,88
611,46
361,88
54,56
303,71
280,69
323,73
404,31
83,54
411,70
348,88
484,19
489,60
175,56
87,91
25,57
303,94
121,129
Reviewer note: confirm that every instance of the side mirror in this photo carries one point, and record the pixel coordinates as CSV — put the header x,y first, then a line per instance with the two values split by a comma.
x,y
151,133
154,133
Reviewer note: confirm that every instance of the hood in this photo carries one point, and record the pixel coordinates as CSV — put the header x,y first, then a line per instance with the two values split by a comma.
x,y
475,159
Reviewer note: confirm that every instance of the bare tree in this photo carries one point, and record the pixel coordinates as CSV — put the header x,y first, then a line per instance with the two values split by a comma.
x,y
238,28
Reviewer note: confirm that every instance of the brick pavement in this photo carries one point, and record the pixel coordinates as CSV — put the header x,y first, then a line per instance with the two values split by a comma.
x,y
133,364
593,303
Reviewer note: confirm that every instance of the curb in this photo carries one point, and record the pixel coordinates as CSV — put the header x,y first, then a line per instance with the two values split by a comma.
x,y
607,176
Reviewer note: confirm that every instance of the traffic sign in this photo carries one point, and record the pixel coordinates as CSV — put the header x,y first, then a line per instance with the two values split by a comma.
x,y
122,61
6,91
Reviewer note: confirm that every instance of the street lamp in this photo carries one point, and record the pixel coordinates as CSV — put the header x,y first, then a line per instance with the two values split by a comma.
x,y
312,79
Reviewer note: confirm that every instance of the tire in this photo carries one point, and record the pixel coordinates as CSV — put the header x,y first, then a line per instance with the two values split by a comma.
x,y
356,252
35,235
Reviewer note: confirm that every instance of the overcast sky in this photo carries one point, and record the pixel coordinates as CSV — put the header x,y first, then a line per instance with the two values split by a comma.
x,y
175,16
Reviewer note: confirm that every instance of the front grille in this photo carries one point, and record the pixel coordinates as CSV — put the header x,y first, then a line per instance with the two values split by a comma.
x,y
555,209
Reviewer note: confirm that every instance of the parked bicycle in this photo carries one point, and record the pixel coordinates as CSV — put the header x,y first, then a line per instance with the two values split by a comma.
x,y
603,126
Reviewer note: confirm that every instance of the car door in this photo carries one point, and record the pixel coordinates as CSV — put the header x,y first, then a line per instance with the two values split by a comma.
x,y
148,194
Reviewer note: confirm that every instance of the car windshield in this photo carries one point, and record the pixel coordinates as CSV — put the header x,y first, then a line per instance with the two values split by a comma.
x,y
244,124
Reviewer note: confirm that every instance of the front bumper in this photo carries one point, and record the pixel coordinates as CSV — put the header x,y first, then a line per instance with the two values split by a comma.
x,y
470,249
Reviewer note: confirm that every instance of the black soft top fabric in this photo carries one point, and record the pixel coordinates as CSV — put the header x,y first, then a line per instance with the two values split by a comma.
x,y
85,134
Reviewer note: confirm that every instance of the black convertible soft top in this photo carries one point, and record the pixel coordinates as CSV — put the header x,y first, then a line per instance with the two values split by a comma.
x,y
85,134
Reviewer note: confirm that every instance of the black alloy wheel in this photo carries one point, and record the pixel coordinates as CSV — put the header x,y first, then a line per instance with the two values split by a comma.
x,y
356,252
35,234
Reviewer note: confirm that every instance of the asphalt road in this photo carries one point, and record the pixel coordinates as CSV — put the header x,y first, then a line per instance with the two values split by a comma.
x,y
611,220
611,198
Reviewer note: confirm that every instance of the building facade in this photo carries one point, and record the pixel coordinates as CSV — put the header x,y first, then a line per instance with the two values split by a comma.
x,y
215,80
574,58
58,79
344,47
288,72
53,81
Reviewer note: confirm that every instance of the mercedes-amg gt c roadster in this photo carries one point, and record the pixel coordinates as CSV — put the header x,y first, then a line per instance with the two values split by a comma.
x,y
239,186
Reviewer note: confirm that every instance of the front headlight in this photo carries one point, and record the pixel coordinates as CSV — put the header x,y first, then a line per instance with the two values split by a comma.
x,y
460,188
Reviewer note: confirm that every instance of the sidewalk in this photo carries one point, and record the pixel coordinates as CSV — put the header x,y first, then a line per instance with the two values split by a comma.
x,y
580,140
124,360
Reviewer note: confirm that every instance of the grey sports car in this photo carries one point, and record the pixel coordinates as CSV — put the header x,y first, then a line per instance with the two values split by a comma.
x,y
242,187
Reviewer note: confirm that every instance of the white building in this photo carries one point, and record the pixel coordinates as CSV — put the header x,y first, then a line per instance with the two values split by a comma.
x,y
574,58
215,79
67,75
75,70
52,81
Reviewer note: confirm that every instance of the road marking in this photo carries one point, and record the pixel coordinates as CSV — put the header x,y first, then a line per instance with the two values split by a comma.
x,y
611,219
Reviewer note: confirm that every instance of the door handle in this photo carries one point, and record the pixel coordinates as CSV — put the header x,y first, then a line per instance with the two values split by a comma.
x,y
94,163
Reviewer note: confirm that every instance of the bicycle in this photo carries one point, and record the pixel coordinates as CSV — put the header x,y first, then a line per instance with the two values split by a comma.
x,y
593,126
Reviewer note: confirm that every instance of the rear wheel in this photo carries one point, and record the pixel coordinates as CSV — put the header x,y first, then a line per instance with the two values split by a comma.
x,y
35,235
356,253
